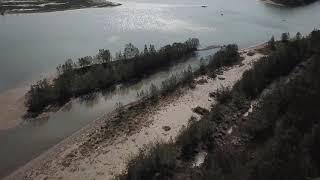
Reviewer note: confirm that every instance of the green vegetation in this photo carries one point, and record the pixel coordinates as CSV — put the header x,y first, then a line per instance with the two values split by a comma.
x,y
278,140
156,162
168,85
287,126
76,79
279,63
227,56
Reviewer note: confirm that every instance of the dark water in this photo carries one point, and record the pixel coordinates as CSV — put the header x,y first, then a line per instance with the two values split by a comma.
x,y
33,44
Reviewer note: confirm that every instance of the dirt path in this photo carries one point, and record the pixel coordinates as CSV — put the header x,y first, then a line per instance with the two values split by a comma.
x,y
110,159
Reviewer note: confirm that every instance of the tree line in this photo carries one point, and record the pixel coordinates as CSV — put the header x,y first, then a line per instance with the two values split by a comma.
x,y
103,71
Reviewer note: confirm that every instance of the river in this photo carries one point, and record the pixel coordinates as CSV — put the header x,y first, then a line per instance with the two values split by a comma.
x,y
32,45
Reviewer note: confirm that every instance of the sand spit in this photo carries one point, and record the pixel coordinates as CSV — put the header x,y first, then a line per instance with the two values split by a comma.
x,y
68,160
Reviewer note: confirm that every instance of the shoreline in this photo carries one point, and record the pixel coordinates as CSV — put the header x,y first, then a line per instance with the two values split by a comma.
x,y
273,3
30,7
75,139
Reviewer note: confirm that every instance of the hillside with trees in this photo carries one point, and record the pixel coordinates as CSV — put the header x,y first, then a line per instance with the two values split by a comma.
x,y
279,139
103,71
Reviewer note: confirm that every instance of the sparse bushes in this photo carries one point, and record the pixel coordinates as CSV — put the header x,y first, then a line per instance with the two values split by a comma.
x,y
223,95
195,133
203,67
154,162
154,92
187,76
169,85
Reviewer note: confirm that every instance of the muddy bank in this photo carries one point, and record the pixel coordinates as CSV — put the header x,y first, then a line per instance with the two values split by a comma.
x,y
37,6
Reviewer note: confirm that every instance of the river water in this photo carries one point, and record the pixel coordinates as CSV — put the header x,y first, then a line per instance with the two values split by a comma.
x,y
31,45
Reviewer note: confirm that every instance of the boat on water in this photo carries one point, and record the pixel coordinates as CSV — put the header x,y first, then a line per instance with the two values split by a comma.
x,y
204,6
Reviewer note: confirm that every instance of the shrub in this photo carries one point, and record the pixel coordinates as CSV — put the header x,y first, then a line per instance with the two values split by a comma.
x,y
195,133
154,92
158,161
169,85
227,56
201,111
223,95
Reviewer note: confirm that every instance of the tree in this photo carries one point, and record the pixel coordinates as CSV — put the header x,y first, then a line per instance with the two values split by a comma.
x,y
272,43
152,50
285,37
145,51
84,61
225,57
118,56
130,51
192,43
66,67
298,36
104,55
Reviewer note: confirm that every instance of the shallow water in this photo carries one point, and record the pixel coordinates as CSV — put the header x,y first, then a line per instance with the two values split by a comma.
x,y
31,45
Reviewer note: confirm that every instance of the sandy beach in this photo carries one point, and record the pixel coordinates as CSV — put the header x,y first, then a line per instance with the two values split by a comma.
x,y
110,155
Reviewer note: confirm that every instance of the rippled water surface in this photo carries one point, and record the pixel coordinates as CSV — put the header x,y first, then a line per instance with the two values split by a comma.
x,y
31,45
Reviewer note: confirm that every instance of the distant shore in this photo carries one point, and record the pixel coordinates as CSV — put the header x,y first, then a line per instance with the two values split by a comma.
x,y
37,6
272,2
